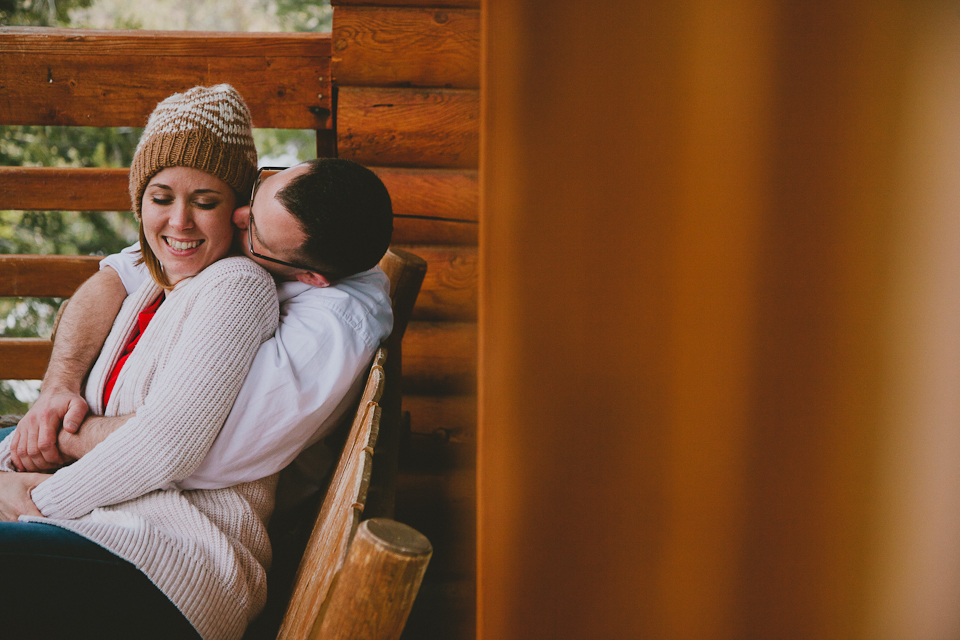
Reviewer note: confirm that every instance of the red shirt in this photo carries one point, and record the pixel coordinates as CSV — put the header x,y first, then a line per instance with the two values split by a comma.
x,y
142,321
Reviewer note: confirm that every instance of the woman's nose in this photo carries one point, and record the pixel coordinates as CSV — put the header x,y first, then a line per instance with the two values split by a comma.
x,y
181,216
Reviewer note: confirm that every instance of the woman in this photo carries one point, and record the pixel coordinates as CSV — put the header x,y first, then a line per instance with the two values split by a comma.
x,y
127,543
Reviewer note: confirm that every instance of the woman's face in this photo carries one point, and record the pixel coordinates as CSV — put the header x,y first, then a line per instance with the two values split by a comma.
x,y
186,219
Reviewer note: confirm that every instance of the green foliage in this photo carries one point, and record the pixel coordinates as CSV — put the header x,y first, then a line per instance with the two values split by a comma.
x,y
57,232
39,13
304,15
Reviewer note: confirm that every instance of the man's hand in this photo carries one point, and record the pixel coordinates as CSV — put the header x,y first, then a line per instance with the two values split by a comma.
x,y
15,500
33,446
94,430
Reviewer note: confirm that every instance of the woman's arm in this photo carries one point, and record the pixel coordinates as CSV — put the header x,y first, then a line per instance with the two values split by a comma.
x,y
189,398
84,326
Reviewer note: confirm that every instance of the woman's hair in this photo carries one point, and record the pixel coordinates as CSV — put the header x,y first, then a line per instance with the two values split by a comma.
x,y
206,128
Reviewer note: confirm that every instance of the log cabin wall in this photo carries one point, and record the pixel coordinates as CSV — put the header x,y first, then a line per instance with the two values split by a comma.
x,y
407,105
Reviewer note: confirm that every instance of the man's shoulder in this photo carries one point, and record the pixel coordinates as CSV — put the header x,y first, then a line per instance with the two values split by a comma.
x,y
360,302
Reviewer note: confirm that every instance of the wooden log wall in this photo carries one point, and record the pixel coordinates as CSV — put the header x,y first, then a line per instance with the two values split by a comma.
x,y
407,105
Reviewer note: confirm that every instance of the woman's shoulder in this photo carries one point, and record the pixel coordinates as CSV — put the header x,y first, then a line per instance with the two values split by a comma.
x,y
236,268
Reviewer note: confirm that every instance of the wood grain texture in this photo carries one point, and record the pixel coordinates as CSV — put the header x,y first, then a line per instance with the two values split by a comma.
x,y
453,417
24,358
419,231
403,46
451,194
449,290
470,4
115,79
385,565
58,189
440,358
409,127
44,276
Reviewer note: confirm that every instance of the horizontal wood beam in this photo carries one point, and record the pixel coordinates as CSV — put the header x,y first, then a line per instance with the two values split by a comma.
x,y
409,127
469,4
449,290
24,358
59,189
440,358
453,417
148,44
436,193
44,276
73,77
406,46
428,231
452,194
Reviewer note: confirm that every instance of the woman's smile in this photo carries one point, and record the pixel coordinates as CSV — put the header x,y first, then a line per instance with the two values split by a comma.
x,y
186,217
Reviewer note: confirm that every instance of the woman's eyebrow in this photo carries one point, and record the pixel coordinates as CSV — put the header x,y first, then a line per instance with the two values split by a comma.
x,y
163,186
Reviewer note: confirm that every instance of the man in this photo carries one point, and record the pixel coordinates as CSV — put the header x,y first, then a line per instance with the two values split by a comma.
x,y
319,228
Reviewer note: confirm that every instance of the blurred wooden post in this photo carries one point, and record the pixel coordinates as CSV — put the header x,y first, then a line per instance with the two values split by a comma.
x,y
717,364
378,583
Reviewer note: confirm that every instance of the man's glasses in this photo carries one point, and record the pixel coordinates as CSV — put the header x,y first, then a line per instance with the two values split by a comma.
x,y
256,185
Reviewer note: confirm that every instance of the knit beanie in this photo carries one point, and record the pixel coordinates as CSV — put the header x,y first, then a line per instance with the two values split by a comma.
x,y
206,128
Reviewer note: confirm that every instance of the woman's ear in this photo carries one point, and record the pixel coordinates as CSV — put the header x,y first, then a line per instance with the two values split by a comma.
x,y
241,217
313,279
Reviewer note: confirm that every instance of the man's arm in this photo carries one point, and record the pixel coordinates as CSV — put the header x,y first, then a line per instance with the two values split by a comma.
x,y
84,326
92,432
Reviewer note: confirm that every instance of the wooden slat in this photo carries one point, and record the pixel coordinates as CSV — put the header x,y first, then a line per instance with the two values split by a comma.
x,y
449,290
442,193
470,4
24,358
455,415
115,79
409,127
420,47
413,231
44,276
440,358
51,189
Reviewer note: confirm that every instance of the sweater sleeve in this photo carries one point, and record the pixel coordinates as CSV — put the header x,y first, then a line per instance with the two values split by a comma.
x,y
188,401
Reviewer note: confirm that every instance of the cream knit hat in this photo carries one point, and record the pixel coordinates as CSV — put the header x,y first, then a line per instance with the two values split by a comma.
x,y
206,128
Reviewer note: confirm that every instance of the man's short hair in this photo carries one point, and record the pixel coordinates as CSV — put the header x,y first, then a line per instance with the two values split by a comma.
x,y
345,211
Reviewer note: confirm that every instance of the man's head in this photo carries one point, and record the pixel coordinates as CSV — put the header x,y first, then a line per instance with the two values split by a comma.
x,y
317,222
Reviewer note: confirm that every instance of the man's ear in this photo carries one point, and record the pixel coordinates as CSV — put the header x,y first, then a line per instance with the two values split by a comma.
x,y
313,279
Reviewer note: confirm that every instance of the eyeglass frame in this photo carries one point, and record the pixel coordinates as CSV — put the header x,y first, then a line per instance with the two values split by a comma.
x,y
253,193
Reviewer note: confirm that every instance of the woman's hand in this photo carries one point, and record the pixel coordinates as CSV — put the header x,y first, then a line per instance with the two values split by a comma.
x,y
15,500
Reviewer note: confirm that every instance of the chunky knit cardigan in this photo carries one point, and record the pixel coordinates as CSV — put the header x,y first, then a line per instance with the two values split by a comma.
x,y
207,550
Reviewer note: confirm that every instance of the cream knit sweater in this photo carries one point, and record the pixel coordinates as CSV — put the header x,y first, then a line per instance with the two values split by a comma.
x,y
206,550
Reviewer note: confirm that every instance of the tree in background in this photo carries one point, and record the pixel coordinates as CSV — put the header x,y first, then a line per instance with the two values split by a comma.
x,y
98,233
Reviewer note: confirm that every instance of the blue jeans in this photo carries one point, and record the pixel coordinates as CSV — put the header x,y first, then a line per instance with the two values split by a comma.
x,y
55,583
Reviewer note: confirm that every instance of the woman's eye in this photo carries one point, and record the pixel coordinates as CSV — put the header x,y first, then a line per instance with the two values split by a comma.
x,y
161,201
206,205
